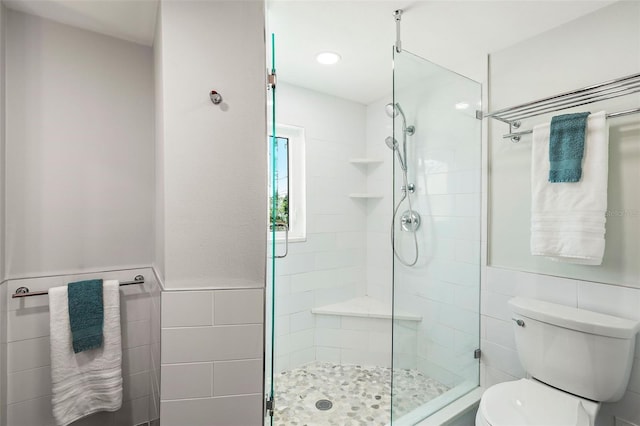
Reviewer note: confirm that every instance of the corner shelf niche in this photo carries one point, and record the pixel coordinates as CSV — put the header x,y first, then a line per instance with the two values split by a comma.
x,y
365,161
364,195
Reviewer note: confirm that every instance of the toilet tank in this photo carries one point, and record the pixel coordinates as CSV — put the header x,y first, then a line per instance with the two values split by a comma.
x,y
582,352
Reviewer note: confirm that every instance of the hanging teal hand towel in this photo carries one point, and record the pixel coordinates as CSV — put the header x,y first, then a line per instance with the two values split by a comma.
x,y
566,147
86,314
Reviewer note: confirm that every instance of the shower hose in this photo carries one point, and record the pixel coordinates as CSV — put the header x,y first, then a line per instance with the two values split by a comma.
x,y
405,195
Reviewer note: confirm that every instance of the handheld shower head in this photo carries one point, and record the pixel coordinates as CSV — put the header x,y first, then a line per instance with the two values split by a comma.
x,y
392,143
393,110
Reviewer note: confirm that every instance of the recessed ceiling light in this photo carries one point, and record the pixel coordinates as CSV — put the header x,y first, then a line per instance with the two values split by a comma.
x,y
327,58
462,105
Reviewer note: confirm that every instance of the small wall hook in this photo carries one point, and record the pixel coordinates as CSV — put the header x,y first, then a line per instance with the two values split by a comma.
x,y
216,98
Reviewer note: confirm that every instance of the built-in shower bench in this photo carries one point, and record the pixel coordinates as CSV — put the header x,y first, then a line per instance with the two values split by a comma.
x,y
362,330
365,307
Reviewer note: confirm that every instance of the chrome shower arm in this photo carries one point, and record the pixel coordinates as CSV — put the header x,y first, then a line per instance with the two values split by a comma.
x,y
397,14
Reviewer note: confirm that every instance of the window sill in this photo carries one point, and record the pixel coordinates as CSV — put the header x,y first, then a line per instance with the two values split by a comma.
x,y
298,239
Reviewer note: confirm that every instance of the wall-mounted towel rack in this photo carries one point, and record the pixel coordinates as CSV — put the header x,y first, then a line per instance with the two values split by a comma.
x,y
587,95
24,291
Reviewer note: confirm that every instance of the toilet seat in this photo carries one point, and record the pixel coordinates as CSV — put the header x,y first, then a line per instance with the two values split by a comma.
x,y
528,402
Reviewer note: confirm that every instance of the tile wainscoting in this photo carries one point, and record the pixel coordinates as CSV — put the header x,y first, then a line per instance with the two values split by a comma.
x,y
25,341
212,357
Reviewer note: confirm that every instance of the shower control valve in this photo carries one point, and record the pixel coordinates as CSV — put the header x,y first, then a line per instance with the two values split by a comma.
x,y
410,221
411,187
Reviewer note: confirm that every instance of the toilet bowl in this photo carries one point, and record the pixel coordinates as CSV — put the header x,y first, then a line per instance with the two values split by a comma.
x,y
527,402
575,358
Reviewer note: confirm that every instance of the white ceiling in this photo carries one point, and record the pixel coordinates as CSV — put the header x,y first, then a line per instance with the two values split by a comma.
x,y
453,33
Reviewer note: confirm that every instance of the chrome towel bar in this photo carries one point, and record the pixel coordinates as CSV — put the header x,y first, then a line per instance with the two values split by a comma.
x,y
512,116
516,135
24,291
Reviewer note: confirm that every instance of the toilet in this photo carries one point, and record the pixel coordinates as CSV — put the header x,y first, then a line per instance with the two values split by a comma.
x,y
575,359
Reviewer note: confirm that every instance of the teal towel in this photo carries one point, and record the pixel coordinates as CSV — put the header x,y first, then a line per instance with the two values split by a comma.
x,y
86,314
566,147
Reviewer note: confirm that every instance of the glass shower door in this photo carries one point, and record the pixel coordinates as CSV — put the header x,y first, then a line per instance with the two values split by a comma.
x,y
269,358
436,237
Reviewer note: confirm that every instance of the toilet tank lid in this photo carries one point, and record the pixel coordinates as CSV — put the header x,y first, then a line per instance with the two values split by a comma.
x,y
575,319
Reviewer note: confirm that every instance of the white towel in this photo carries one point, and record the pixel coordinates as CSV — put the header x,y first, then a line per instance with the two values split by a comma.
x,y
568,219
89,381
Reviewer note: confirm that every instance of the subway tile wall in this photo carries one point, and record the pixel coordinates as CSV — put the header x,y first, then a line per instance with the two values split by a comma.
x,y
500,361
328,267
344,339
3,353
155,291
212,357
28,372
443,287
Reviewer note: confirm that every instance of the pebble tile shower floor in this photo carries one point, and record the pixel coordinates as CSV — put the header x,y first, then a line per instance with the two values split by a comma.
x,y
361,395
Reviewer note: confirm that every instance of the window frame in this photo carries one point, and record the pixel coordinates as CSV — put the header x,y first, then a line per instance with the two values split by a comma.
x,y
297,183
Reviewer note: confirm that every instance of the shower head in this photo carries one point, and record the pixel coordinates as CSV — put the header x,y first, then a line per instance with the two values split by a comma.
x,y
392,143
393,110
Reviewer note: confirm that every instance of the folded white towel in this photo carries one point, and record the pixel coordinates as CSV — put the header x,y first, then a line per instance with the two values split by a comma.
x,y
568,219
89,381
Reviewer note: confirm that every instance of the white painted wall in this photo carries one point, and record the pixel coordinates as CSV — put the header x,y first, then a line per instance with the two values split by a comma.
x,y
578,56
79,174
563,59
327,267
2,142
3,287
159,225
211,226
214,155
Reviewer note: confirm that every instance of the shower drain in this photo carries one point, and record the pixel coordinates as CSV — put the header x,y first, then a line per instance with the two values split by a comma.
x,y
324,404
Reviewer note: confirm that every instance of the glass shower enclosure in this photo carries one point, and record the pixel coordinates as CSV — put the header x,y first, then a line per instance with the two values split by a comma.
x,y
405,345
436,237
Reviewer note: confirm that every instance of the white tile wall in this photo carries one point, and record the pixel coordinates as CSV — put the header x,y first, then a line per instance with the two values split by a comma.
x,y
226,304
499,357
444,287
359,340
329,266
3,349
237,377
154,334
212,375
188,309
181,381
239,410
28,381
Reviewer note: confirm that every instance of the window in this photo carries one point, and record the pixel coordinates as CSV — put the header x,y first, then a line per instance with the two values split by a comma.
x,y
281,193
290,183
